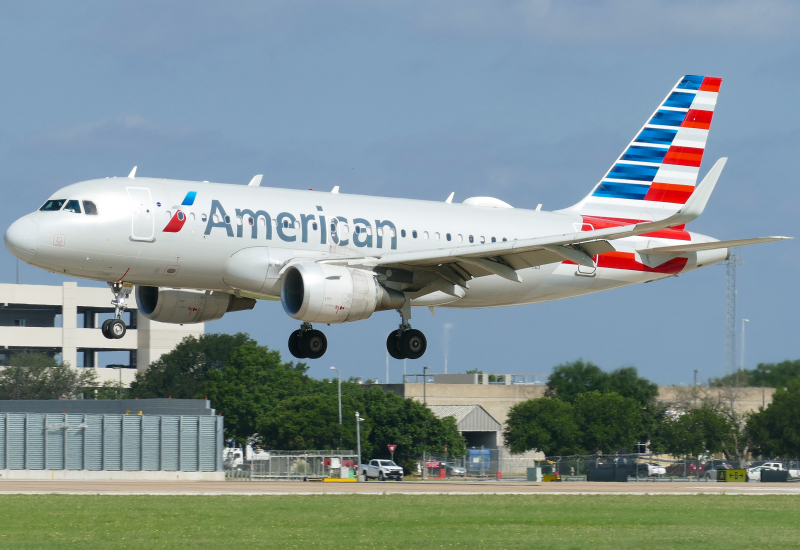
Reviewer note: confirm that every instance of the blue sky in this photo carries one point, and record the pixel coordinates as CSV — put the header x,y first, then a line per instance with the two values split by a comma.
x,y
528,101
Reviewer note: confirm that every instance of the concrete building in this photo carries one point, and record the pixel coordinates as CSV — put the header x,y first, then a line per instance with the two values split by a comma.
x,y
65,320
495,394
474,423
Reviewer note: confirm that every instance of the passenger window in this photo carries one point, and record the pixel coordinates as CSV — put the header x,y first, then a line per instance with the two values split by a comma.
x,y
494,240
471,239
414,233
53,205
297,224
314,226
402,232
460,238
368,230
204,217
191,216
333,228
169,215
438,236
72,206
358,230
379,231
448,236
425,234
181,216
239,220
483,239
89,208
286,224
504,239
227,219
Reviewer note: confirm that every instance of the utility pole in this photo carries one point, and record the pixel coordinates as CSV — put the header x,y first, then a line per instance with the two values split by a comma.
x,y
741,365
387,366
730,312
694,393
340,393
359,420
425,403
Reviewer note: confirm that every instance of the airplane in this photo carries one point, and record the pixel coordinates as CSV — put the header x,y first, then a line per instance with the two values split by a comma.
x,y
198,250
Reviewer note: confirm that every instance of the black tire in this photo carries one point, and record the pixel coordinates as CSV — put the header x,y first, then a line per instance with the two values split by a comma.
x,y
413,344
381,477
104,329
392,345
117,329
294,345
399,479
314,344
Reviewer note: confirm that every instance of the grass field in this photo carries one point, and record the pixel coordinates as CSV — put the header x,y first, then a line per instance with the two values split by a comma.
x,y
400,521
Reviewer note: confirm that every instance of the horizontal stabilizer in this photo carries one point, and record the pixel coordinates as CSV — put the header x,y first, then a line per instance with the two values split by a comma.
x,y
684,248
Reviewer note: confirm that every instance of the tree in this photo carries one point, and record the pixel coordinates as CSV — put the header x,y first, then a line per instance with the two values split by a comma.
x,y
183,372
771,375
545,424
252,383
569,380
608,422
776,430
627,382
39,376
695,432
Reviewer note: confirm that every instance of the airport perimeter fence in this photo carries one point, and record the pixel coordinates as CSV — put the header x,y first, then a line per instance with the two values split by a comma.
x,y
488,463
294,465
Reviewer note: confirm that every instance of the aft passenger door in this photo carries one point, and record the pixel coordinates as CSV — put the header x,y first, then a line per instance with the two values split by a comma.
x,y
142,217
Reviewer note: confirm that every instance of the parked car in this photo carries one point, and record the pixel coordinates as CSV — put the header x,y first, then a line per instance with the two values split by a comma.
x,y
452,470
654,469
754,472
382,470
714,465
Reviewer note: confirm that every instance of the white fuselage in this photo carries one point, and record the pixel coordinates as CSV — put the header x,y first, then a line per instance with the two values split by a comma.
x,y
126,242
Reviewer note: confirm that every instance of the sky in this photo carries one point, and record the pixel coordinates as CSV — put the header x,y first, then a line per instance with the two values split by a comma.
x,y
528,101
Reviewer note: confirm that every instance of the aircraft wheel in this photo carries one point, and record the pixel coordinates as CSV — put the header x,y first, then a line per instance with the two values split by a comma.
x,y
314,344
104,329
392,345
116,328
413,344
294,345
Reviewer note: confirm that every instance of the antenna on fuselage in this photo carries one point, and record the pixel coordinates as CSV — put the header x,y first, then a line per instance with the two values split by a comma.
x,y
335,190
450,198
132,175
256,181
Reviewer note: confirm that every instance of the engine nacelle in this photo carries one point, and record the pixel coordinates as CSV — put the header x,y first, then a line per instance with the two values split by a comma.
x,y
173,305
324,293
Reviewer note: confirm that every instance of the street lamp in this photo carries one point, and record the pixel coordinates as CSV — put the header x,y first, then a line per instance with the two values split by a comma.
x,y
425,386
119,388
763,392
743,322
359,420
340,393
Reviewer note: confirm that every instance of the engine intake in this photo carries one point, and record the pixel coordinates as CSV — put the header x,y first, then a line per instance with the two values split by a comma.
x,y
181,306
324,293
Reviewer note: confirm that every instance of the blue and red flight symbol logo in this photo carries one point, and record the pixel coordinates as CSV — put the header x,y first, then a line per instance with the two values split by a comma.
x,y
179,218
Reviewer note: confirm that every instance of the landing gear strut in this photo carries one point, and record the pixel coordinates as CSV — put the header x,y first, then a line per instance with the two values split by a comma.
x,y
406,342
115,328
308,343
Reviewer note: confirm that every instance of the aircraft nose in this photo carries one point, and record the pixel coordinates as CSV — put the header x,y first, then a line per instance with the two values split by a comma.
x,y
22,238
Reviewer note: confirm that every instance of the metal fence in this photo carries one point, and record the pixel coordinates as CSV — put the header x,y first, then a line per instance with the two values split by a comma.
x,y
38,441
294,465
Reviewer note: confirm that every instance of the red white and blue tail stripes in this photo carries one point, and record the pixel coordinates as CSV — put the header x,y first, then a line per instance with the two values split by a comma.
x,y
658,170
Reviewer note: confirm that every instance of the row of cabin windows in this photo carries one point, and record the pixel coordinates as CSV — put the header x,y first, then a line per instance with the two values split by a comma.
x,y
343,229
70,205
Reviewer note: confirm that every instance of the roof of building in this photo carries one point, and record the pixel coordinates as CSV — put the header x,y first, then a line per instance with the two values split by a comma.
x,y
469,418
178,407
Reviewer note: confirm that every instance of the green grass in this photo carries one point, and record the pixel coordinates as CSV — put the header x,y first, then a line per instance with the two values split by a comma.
x,y
400,521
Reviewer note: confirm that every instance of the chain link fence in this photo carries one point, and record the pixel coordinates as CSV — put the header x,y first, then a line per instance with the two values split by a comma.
x,y
258,465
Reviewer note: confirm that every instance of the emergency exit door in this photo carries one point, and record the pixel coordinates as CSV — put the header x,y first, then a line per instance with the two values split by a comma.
x,y
142,216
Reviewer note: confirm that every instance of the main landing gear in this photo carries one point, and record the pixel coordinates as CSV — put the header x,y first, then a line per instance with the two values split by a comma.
x,y
307,342
406,342
115,328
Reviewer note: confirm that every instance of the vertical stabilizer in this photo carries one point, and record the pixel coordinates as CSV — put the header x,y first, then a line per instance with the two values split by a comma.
x,y
657,172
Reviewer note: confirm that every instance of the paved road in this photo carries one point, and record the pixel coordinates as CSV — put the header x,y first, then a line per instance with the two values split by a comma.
x,y
388,487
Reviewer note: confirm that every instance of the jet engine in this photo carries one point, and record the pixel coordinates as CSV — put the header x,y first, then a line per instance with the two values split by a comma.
x,y
324,293
173,305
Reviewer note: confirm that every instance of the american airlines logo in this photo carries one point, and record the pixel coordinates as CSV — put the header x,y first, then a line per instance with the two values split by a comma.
x,y
179,218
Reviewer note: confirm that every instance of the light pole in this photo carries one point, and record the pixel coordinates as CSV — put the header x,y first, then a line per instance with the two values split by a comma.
x,y
119,388
425,386
763,391
425,403
340,393
743,322
359,420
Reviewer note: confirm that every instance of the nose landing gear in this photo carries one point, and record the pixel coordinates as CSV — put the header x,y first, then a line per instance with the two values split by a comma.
x,y
406,342
115,328
307,342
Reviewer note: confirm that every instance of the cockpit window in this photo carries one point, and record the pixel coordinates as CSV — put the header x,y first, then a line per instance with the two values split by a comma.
x,y
90,208
52,205
73,206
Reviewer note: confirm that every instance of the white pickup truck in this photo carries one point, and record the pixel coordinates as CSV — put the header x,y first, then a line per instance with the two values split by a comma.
x,y
382,470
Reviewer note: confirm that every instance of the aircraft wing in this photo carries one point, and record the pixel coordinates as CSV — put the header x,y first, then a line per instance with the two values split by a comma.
x,y
685,248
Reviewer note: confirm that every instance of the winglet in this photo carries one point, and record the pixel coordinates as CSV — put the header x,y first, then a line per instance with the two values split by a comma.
x,y
256,181
335,190
450,198
698,200
132,175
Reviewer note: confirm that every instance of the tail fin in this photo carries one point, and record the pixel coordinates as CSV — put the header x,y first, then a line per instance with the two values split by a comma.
x,y
657,172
